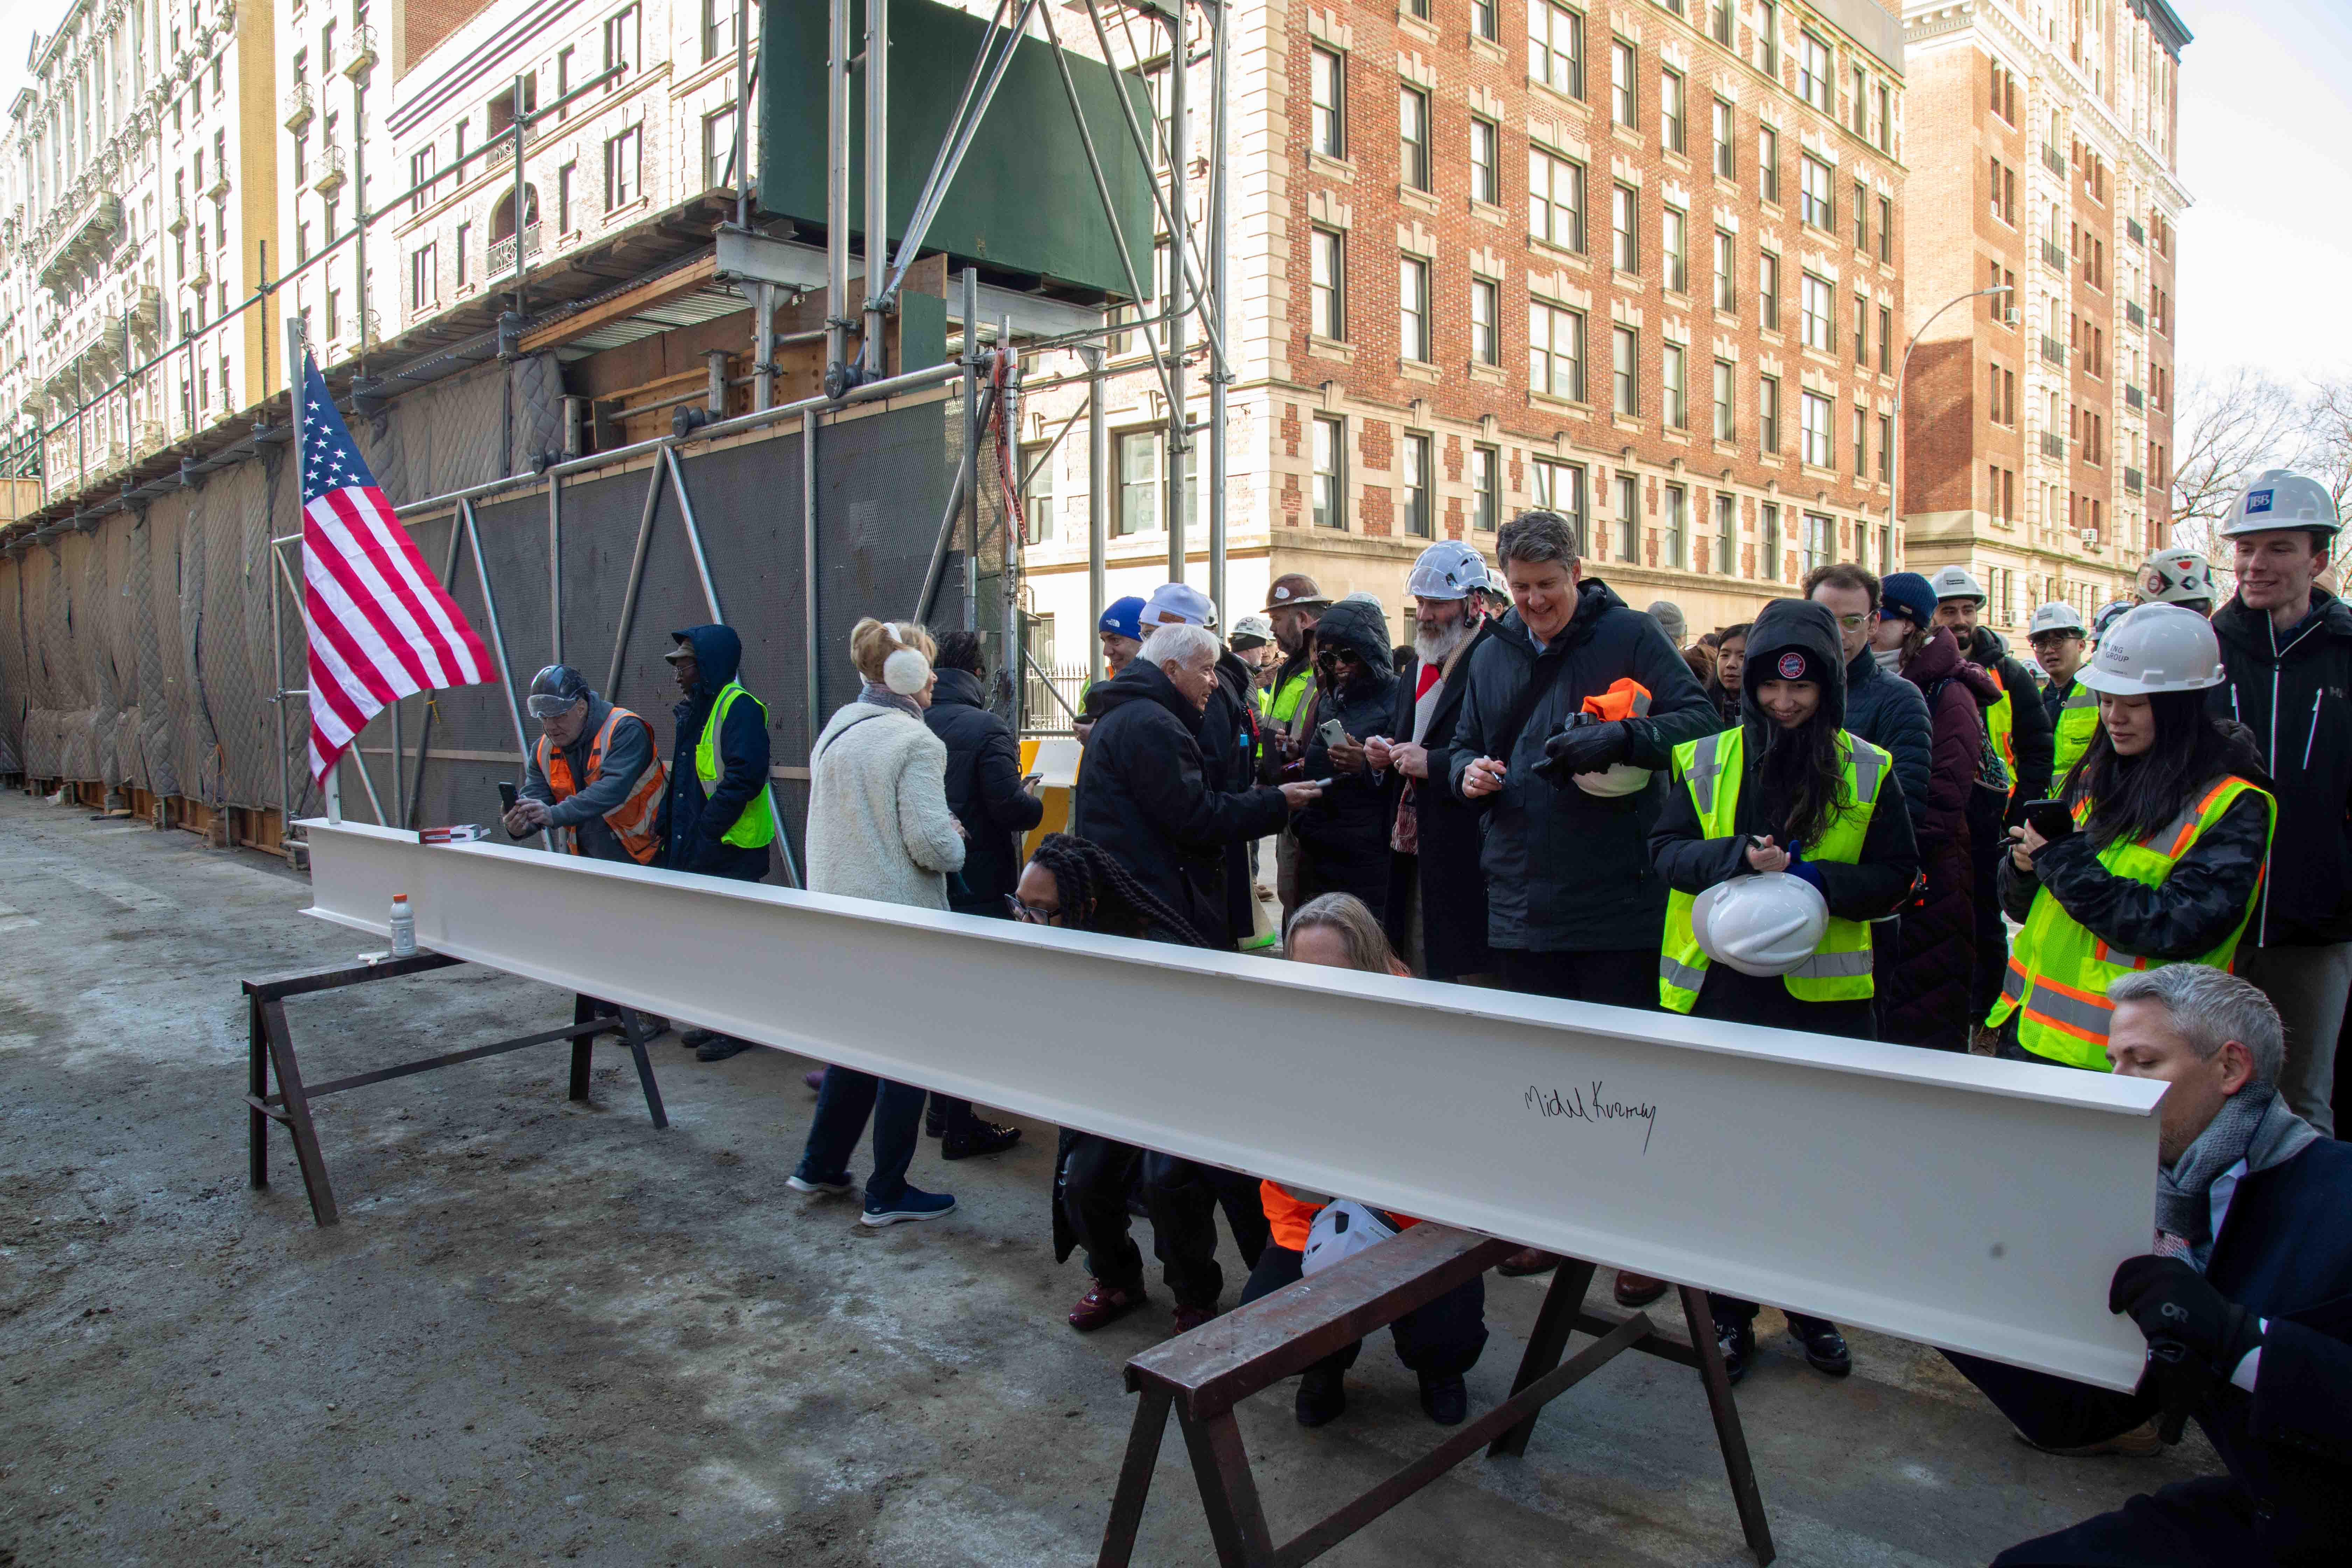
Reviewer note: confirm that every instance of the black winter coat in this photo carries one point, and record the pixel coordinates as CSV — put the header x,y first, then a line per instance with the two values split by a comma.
x,y
1229,763
2296,696
983,791
1143,795
1451,887
695,828
1566,871
1343,837
2031,735
1885,710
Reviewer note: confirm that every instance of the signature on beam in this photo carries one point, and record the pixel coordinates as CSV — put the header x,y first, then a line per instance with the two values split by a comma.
x,y
1576,1106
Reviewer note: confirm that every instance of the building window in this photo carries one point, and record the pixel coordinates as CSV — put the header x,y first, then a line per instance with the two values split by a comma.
x,y
1624,102
1768,163
717,29
1486,488
1819,546
1768,36
620,41
1817,302
1677,528
1626,352
1887,446
1413,308
1327,287
1330,478
1138,478
1037,497
1815,205
1624,218
1861,331
1483,20
1861,217
1629,517
566,178
334,313
1725,159
1768,289
1671,374
1861,441
1559,486
1555,200
1327,88
564,73
1485,178
1861,101
1727,532
1412,137
1885,118
1726,294
1813,71
1486,312
301,246
1672,133
1555,351
1814,411
420,168
423,280
1768,541
1886,337
464,254
1676,235
719,148
624,168
1724,415
1417,508
1556,47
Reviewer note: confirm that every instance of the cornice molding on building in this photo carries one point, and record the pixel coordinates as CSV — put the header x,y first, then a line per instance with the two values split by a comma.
x,y
474,50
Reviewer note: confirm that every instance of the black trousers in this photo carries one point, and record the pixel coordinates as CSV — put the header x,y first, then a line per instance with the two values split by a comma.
x,y
1095,1175
2189,1524
1443,1337
1182,1199
1621,977
1985,850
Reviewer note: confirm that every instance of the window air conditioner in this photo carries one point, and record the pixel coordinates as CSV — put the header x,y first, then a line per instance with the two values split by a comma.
x,y
2090,538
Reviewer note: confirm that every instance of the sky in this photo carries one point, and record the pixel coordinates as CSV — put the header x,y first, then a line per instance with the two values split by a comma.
x,y
2266,152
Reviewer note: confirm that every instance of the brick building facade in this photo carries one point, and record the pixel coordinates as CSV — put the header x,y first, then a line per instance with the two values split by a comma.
x,y
2038,424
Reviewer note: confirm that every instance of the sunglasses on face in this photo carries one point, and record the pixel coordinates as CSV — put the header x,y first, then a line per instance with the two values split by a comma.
x,y
1032,915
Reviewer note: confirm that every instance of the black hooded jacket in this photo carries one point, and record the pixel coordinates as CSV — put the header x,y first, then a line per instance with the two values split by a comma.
x,y
2295,694
697,827
1144,795
1343,837
1692,863
1567,871
983,791
2030,732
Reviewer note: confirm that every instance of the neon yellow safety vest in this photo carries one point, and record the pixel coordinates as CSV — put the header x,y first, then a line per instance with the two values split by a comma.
x,y
2000,719
1290,694
1839,970
2078,721
2059,972
757,826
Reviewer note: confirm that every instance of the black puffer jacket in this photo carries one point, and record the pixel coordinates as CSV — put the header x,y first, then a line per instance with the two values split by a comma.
x,y
2031,736
983,791
1343,837
2295,694
1567,871
1143,795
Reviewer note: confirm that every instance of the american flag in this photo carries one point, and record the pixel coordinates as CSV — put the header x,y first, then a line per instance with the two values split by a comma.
x,y
380,624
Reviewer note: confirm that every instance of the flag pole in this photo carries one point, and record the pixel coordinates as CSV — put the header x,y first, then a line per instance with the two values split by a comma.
x,y
297,386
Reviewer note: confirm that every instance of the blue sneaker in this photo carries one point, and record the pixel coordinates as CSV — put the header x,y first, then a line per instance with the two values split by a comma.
x,y
833,1186
912,1204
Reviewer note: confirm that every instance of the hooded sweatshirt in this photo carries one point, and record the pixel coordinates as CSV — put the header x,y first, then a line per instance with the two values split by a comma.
x,y
631,749
698,827
1343,837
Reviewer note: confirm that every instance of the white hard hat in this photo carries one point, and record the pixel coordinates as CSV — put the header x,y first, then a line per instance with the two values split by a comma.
x,y
1448,568
2176,577
1762,925
1957,583
2156,647
2281,498
1620,778
2056,616
2109,614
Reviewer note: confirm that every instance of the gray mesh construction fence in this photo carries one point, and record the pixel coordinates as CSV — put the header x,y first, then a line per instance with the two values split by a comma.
x,y
140,653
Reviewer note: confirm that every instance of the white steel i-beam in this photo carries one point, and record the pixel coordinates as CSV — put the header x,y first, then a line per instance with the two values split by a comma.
x,y
1965,1202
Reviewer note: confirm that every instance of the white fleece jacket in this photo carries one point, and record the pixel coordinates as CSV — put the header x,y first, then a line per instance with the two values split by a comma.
x,y
878,824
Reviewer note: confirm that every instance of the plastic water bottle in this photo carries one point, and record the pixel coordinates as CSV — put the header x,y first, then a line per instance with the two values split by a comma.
x,y
404,928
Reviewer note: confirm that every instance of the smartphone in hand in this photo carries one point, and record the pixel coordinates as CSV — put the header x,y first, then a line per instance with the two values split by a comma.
x,y
506,797
2051,818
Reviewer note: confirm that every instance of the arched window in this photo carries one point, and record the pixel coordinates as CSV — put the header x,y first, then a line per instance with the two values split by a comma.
x,y
503,216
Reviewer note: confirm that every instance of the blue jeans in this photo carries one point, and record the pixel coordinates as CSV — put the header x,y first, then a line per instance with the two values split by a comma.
x,y
842,1103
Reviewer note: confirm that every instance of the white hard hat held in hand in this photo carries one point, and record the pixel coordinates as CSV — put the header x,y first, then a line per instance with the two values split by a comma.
x,y
1764,924
2281,498
2156,647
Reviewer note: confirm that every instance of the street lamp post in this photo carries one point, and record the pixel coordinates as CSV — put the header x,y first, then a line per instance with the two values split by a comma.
x,y
1894,464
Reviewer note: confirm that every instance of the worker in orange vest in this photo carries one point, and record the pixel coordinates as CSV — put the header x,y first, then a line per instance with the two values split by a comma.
x,y
595,781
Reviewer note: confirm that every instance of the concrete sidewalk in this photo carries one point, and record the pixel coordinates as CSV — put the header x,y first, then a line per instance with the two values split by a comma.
x,y
546,1332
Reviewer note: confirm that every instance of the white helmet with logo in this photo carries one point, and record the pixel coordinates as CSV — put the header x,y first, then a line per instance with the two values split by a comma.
x,y
1762,925
2281,498
1957,583
1448,568
2176,577
2109,614
2156,647
2056,616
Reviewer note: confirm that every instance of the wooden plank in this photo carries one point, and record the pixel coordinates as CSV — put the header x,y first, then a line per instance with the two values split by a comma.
x,y
623,304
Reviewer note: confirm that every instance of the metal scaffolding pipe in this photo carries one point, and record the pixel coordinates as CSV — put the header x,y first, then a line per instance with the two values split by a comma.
x,y
836,191
1097,512
877,183
1221,373
1176,492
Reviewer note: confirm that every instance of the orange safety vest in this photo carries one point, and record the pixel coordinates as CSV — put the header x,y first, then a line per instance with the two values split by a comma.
x,y
1290,1219
636,821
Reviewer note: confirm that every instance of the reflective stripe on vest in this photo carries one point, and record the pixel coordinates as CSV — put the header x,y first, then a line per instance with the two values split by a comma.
x,y
756,826
1839,969
2000,720
2059,971
2078,721
636,821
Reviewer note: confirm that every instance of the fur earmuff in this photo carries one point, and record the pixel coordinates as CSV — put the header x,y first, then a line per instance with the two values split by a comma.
x,y
906,671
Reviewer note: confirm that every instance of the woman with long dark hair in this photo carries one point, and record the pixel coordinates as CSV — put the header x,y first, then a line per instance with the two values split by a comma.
x,y
1781,840
2168,820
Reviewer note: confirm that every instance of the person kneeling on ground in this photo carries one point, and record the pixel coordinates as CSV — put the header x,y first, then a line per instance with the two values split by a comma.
x,y
2242,1301
1440,1342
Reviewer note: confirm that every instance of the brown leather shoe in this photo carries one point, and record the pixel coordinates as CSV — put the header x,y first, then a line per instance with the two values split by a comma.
x,y
1102,1304
1527,1261
1637,1290
1191,1318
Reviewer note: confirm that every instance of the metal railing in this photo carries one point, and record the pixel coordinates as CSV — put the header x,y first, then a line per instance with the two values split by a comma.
x,y
332,169
299,105
2053,160
2054,255
2054,350
1052,697
2134,232
501,257
2134,313
2133,396
2134,481
363,55
2054,445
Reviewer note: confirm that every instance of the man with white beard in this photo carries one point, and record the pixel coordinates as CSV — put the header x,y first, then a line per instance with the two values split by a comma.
x,y
1437,914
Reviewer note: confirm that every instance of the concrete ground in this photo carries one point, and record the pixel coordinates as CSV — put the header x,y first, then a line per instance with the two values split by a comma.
x,y
547,1330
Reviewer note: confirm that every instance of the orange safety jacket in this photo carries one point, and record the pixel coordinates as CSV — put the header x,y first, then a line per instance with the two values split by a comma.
x,y
1290,1219
636,821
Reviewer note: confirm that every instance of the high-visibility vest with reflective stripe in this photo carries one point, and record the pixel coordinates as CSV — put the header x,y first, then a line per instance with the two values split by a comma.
x,y
2059,972
1290,694
1839,970
757,825
2078,721
2000,720
636,821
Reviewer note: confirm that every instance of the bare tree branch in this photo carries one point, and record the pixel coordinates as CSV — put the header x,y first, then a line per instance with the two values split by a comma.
x,y
2327,450
2228,427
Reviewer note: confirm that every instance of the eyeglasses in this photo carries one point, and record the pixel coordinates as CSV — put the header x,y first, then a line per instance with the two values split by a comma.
x,y
1032,915
1855,623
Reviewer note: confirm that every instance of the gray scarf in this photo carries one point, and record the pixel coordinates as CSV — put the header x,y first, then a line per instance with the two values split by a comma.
x,y
883,696
2253,1125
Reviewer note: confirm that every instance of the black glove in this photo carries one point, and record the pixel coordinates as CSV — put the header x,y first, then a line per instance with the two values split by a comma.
x,y
2196,1336
1584,748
